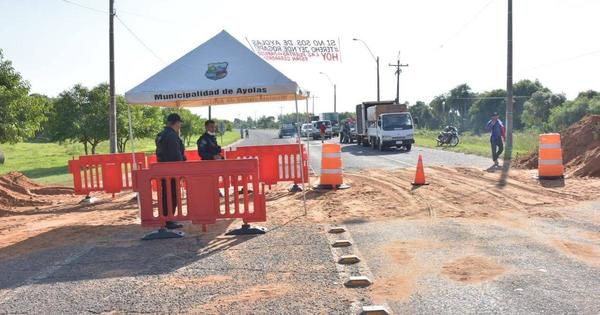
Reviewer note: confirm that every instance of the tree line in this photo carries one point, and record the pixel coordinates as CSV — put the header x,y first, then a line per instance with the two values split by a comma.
x,y
79,114
536,107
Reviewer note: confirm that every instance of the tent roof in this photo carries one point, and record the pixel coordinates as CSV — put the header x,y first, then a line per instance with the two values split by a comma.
x,y
218,72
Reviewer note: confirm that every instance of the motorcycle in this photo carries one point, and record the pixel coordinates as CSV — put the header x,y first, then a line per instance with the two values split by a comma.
x,y
448,136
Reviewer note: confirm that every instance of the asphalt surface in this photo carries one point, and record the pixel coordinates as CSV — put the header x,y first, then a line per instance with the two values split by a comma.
x,y
289,270
355,157
538,276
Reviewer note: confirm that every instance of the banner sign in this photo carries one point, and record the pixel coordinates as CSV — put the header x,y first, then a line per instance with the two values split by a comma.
x,y
303,50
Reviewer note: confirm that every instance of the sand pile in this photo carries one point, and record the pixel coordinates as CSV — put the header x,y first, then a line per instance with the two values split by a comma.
x,y
581,149
456,192
16,190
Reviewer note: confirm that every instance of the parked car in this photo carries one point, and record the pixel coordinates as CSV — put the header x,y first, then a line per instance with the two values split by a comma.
x,y
316,131
306,130
287,131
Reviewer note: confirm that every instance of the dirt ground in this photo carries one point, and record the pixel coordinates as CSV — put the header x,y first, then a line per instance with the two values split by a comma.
x,y
374,195
453,193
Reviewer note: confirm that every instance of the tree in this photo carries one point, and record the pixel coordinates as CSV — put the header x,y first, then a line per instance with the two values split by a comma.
x,y
422,113
486,104
523,90
146,122
192,125
21,115
265,122
536,110
439,111
81,115
459,101
572,111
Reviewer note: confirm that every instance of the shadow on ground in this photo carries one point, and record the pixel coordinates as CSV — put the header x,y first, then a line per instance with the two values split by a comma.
x,y
355,149
45,172
107,251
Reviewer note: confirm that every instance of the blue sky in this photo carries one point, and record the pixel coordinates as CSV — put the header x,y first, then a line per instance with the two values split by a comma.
x,y
55,44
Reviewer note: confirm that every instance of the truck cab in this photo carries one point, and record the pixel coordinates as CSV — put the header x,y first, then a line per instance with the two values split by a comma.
x,y
384,124
392,130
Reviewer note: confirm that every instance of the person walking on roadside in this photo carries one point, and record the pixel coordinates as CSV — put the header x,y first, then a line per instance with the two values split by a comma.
x,y
322,129
497,134
208,149
170,148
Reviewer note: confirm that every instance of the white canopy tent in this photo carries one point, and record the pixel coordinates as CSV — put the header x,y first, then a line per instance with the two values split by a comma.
x,y
221,71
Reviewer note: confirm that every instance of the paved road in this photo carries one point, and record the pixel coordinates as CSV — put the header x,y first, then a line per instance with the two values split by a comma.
x,y
535,269
357,157
537,277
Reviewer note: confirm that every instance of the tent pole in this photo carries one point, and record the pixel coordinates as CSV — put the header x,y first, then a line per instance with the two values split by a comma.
x,y
299,140
134,166
308,137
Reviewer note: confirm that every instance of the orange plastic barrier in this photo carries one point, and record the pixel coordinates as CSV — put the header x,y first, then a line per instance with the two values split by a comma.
x,y
277,163
191,155
331,165
198,199
112,178
89,171
550,163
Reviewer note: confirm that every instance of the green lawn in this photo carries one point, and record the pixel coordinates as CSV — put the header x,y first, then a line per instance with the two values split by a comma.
x,y
523,142
47,162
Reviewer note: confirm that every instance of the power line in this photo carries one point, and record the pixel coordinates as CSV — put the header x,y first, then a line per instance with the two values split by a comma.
x,y
127,13
464,26
85,7
139,39
564,60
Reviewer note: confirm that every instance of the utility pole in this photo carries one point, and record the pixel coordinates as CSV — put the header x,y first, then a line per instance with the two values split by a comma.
x,y
281,114
376,60
335,98
378,98
112,108
509,90
398,66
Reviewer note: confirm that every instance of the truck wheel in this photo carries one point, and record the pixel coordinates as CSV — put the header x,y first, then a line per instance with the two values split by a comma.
x,y
408,147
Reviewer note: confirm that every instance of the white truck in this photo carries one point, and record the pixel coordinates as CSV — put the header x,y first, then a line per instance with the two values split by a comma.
x,y
384,124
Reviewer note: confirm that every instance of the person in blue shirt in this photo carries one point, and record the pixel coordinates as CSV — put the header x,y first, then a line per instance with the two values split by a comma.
x,y
496,128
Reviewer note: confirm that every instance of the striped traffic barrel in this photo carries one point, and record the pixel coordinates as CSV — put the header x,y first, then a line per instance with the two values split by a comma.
x,y
331,165
550,163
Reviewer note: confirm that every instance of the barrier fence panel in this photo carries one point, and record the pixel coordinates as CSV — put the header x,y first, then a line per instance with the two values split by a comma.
x,y
88,171
277,163
197,197
191,155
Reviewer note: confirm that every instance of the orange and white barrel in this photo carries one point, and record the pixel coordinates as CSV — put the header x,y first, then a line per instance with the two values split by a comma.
x,y
550,162
331,165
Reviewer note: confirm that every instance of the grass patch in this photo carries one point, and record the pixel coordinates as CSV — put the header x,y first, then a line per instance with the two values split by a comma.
x,y
524,142
47,162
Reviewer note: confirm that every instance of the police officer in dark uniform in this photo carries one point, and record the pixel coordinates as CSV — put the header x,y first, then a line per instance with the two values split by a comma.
x,y
208,149
170,148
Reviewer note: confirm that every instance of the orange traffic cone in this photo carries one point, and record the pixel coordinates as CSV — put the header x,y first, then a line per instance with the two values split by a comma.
x,y
420,175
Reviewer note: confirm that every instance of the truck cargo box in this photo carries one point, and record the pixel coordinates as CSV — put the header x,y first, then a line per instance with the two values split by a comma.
x,y
374,111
